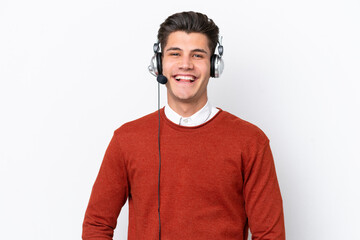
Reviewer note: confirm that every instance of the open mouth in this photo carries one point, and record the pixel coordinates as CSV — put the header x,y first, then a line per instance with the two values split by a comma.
x,y
182,78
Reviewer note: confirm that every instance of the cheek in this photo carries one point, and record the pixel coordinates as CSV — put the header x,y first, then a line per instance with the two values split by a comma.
x,y
205,68
167,66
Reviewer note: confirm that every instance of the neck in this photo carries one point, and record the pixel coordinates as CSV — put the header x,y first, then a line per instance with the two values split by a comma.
x,y
186,109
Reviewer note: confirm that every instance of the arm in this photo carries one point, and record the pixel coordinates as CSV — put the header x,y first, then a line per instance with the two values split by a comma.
x,y
108,195
263,202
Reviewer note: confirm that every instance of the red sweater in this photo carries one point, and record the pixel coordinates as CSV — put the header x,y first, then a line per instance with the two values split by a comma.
x,y
217,180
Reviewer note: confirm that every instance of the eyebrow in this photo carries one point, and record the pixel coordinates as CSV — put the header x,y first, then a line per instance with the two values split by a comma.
x,y
194,50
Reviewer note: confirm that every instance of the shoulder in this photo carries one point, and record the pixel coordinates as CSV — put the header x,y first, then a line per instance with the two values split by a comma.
x,y
140,125
240,128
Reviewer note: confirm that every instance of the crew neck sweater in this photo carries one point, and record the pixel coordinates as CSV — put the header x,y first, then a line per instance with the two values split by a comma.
x,y
217,180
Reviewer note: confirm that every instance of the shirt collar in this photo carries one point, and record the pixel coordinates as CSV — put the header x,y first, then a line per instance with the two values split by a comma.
x,y
196,119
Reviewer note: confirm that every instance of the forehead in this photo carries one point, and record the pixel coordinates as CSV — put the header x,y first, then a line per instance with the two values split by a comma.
x,y
187,41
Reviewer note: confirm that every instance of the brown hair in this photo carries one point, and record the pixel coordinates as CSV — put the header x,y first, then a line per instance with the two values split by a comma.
x,y
189,22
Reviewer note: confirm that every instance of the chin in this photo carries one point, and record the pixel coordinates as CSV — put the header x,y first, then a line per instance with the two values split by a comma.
x,y
182,97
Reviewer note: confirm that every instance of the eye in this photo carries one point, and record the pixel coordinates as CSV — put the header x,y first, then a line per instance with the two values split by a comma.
x,y
198,56
174,54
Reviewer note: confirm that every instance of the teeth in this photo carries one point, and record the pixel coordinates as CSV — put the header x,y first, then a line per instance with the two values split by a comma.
x,y
185,78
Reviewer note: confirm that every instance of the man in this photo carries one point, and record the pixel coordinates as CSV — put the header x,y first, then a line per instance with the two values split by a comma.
x,y
217,172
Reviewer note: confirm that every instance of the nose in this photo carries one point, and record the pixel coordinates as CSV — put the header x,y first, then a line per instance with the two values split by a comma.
x,y
186,63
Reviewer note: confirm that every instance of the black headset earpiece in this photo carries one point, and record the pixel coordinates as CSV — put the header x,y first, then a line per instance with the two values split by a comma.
x,y
155,67
212,65
216,63
158,63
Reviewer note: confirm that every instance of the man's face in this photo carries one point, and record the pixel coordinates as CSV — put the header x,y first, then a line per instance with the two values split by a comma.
x,y
186,64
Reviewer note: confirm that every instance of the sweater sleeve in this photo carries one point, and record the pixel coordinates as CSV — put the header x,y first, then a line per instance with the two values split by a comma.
x,y
263,202
109,194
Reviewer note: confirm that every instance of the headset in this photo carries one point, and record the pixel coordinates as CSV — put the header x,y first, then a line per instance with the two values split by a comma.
x,y
155,67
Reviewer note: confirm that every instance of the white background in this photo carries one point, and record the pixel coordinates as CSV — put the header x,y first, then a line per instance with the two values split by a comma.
x,y
71,72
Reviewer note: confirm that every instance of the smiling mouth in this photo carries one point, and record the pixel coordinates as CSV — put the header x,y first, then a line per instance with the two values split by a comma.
x,y
181,78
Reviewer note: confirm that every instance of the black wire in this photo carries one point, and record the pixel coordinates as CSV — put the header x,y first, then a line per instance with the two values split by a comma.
x,y
159,161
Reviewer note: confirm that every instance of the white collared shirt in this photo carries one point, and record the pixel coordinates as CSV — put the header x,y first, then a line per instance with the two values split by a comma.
x,y
200,117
